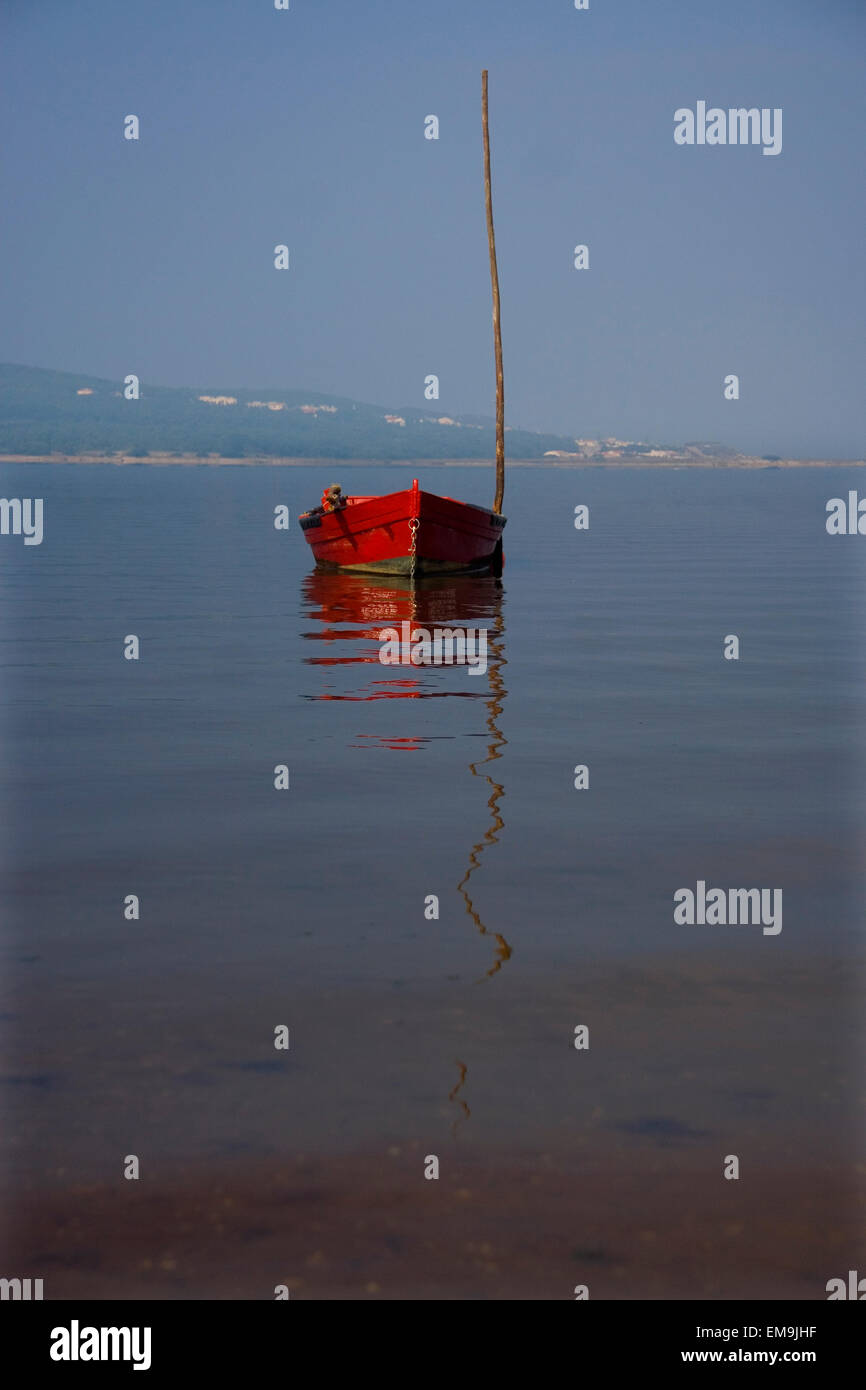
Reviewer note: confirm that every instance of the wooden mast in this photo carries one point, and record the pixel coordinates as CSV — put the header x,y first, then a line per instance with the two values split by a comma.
x,y
497,330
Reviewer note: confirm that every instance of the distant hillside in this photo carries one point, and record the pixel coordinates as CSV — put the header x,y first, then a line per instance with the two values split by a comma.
x,y
45,412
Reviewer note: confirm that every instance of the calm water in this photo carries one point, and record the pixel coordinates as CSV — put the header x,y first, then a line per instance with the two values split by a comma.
x,y
258,908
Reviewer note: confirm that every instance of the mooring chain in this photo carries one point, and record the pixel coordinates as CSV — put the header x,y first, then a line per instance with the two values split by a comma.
x,y
414,525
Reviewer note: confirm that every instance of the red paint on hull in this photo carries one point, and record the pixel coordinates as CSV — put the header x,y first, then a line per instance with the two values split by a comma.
x,y
374,534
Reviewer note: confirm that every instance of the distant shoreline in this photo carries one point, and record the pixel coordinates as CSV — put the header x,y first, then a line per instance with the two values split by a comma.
x,y
265,461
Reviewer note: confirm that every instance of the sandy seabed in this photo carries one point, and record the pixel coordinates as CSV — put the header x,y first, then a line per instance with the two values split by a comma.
x,y
691,1060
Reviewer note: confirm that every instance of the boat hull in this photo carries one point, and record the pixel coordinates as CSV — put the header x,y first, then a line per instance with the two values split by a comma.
x,y
373,535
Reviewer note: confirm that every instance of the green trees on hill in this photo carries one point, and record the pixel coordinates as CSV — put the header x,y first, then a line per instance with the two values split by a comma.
x,y
45,412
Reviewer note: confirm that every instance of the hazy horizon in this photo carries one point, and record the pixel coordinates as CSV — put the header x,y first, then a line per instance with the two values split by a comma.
x,y
429,410
156,256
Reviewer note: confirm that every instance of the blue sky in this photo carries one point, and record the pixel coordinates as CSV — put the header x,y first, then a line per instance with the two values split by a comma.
x,y
261,127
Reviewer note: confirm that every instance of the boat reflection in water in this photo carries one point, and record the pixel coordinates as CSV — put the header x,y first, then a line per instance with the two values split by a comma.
x,y
351,612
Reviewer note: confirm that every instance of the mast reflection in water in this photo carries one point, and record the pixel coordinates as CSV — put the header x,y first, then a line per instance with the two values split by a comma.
x,y
351,611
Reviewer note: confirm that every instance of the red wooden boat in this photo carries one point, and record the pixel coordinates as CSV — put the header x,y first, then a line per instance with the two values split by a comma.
x,y
409,532
414,532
